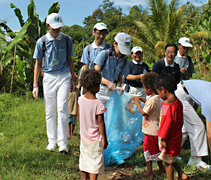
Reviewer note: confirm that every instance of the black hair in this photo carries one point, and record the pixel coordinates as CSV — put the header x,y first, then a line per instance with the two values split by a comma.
x,y
170,45
167,81
90,79
149,79
95,29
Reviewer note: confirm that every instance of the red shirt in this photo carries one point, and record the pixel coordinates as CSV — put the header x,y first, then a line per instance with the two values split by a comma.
x,y
171,126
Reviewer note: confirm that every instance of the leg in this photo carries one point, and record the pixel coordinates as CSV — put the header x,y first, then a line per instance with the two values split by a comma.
x,y
161,167
208,124
63,113
72,129
69,131
50,100
181,174
85,175
93,176
169,171
149,173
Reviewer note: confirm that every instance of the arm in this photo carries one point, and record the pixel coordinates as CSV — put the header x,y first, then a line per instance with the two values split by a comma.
x,y
100,119
136,100
70,62
163,143
108,83
37,69
134,77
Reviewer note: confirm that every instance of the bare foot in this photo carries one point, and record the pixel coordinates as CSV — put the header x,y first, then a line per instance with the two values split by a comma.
x,y
68,137
148,175
184,177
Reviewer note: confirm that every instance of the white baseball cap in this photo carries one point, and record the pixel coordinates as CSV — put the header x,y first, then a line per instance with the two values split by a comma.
x,y
184,41
124,41
100,26
54,20
136,48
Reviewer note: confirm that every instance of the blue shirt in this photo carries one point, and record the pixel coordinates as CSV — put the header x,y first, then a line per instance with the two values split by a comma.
x,y
55,57
113,66
200,92
136,69
88,57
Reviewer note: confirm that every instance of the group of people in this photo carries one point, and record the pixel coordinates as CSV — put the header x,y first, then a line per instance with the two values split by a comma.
x,y
105,67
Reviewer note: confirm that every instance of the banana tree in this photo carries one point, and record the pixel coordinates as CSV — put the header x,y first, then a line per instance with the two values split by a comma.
x,y
25,40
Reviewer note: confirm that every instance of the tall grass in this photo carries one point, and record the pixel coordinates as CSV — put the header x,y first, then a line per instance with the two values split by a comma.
x,y
23,141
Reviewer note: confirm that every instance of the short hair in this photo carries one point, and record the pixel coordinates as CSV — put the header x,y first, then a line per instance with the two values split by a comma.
x,y
167,81
90,79
149,79
170,45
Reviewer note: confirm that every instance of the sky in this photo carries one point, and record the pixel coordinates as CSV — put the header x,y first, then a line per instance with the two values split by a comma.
x,y
72,11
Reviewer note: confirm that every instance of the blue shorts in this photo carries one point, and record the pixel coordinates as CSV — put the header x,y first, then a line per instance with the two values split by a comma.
x,y
72,119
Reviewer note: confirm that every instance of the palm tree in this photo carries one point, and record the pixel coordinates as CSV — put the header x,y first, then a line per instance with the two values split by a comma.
x,y
162,24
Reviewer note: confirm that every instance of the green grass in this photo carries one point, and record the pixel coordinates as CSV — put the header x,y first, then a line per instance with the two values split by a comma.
x,y
23,142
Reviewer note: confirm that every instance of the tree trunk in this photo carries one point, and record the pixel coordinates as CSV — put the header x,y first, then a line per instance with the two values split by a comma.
x,y
13,67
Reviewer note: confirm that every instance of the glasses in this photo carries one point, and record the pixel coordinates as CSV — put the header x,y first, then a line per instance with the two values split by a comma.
x,y
100,33
171,52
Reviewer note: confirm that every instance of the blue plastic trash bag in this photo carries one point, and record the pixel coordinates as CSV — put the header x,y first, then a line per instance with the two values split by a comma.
x,y
123,129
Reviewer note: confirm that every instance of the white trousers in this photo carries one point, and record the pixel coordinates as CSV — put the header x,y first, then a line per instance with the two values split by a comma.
x,y
56,89
193,125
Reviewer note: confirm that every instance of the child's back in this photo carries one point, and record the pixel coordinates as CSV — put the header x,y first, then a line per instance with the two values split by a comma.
x,y
89,109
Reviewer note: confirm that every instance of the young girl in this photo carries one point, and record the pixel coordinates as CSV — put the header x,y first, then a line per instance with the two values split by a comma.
x,y
170,130
150,112
92,127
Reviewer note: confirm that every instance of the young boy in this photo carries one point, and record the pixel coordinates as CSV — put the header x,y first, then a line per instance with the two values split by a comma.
x,y
150,112
171,122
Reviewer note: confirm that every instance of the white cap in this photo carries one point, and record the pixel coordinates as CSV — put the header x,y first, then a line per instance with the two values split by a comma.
x,y
100,26
184,41
136,48
54,20
124,41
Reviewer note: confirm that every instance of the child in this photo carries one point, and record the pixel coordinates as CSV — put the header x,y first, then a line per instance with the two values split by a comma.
x,y
171,122
73,110
150,112
92,127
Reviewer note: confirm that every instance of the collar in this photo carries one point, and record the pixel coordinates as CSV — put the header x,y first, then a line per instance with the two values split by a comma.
x,y
166,64
135,62
50,38
102,46
179,55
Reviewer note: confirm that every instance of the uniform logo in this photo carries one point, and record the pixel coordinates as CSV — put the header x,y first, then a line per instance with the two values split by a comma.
x,y
127,43
56,19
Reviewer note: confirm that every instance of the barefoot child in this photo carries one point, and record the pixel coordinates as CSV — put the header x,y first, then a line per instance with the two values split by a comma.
x,y
150,112
92,127
73,111
170,130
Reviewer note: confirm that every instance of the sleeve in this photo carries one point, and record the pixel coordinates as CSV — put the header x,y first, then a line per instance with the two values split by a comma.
x,y
85,59
70,50
101,109
150,105
165,123
99,60
38,52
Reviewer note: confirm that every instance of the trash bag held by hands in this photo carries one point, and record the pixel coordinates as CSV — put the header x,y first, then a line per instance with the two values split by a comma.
x,y
124,129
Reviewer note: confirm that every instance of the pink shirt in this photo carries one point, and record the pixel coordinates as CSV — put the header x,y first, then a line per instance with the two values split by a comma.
x,y
88,109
